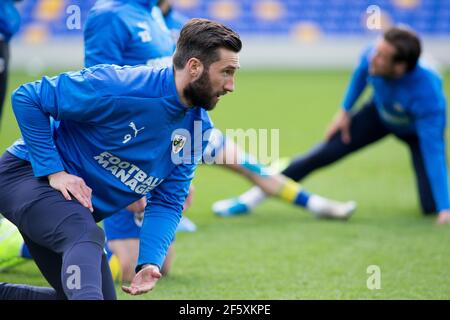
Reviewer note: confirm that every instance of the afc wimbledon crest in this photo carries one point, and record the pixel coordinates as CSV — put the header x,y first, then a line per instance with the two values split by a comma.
x,y
178,143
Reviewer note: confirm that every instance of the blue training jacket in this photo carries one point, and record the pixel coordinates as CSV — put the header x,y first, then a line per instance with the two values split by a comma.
x,y
130,47
121,129
9,19
413,104
127,32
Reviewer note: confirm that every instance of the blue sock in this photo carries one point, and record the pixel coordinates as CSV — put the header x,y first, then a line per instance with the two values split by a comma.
x,y
302,198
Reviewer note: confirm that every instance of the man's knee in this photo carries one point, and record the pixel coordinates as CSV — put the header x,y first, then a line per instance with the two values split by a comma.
x,y
94,234
77,229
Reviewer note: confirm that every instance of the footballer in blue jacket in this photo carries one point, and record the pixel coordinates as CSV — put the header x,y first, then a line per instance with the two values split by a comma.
x,y
130,32
407,102
123,132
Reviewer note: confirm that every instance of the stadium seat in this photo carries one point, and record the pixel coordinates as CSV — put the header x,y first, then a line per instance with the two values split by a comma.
x,y
256,17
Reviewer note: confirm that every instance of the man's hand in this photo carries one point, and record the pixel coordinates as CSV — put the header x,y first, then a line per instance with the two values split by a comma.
x,y
138,206
444,217
143,281
69,184
341,122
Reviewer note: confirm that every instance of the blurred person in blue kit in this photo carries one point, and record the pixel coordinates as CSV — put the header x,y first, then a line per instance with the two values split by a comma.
x,y
9,25
408,102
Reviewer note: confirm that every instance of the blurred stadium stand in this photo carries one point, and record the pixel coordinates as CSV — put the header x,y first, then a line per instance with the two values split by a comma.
x,y
288,33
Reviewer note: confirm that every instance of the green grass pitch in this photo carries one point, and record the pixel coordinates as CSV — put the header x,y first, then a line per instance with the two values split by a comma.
x,y
279,251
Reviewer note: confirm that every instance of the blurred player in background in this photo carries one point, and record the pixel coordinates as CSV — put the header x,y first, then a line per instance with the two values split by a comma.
x,y
9,25
408,102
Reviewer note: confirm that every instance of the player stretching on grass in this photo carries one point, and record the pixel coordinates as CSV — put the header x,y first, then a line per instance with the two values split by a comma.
x,y
408,102
54,187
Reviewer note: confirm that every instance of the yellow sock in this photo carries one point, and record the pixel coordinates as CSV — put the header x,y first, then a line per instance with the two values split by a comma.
x,y
116,269
289,191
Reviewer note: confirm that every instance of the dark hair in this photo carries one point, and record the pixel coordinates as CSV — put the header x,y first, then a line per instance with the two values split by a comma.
x,y
406,44
201,39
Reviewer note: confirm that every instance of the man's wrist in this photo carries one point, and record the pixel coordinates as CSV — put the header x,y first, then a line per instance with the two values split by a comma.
x,y
147,265
55,173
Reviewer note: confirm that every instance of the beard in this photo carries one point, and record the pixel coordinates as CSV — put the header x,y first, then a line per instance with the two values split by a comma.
x,y
200,92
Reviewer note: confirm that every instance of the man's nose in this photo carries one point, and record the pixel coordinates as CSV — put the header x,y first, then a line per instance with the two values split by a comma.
x,y
229,85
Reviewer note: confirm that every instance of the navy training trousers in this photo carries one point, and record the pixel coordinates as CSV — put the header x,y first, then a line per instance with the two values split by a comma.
x,y
62,236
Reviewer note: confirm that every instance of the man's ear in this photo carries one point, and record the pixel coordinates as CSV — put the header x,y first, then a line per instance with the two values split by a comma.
x,y
400,68
194,68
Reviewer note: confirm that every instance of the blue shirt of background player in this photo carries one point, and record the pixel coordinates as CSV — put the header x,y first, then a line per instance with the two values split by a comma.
x,y
9,19
127,32
413,104
95,108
